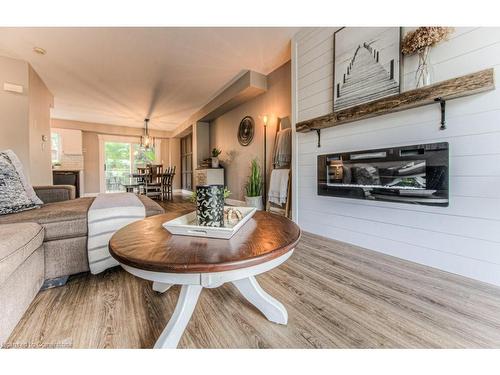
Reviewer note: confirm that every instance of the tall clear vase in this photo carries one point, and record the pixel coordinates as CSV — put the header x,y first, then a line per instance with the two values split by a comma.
x,y
423,73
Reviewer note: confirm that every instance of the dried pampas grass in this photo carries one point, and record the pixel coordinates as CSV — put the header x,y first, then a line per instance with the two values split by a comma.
x,y
425,36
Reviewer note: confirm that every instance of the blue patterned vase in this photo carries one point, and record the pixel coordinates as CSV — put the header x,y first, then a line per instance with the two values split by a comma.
x,y
210,205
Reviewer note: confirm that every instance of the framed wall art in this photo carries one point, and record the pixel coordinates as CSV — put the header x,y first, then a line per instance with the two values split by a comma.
x,y
366,65
246,131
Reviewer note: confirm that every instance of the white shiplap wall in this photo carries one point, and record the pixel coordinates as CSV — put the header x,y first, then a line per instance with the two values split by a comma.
x,y
463,238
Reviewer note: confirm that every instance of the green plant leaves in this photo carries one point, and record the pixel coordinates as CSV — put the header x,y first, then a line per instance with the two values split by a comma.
x,y
254,184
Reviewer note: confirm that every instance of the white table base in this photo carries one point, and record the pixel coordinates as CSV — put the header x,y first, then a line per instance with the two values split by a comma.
x,y
192,285
272,309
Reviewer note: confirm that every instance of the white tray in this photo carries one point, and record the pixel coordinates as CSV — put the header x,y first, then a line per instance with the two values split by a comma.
x,y
187,225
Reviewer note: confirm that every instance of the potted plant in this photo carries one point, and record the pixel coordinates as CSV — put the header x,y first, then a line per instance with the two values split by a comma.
x,y
253,197
215,157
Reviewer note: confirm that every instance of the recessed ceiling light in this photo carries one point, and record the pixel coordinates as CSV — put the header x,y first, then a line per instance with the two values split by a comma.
x,y
39,50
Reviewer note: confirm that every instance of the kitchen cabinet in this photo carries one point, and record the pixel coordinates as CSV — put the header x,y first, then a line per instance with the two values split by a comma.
x,y
71,141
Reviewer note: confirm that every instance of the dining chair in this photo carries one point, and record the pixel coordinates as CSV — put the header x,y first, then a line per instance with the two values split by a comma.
x,y
167,180
140,177
153,181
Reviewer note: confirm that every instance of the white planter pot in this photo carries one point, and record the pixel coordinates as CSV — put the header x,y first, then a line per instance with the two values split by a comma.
x,y
215,162
254,202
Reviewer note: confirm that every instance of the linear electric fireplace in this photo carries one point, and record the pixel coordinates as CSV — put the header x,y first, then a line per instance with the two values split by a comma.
x,y
408,174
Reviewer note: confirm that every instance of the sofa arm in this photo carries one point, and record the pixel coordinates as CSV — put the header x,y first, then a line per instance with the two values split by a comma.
x,y
55,193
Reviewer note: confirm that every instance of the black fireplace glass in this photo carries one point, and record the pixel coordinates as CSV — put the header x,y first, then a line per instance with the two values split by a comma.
x,y
416,174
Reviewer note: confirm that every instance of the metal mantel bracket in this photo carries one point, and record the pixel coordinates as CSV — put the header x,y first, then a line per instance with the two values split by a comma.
x,y
442,102
318,132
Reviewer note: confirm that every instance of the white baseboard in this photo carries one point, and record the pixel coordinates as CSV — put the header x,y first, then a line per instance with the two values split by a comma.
x,y
235,202
90,194
182,191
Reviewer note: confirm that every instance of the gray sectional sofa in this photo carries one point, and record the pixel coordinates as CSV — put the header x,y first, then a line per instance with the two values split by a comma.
x,y
41,245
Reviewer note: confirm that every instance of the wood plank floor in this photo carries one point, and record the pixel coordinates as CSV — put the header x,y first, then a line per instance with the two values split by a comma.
x,y
337,296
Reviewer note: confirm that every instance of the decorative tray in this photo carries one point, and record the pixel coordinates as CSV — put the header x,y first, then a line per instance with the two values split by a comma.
x,y
187,225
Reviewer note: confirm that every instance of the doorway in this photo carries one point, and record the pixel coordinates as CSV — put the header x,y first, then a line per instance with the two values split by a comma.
x,y
119,158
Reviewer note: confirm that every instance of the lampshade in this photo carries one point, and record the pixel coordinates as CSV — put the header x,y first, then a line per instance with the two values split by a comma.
x,y
265,119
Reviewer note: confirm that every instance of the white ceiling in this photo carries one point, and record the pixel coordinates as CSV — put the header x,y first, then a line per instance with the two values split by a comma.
x,y
121,75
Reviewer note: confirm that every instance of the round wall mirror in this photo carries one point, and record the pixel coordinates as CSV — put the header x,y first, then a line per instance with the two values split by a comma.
x,y
246,131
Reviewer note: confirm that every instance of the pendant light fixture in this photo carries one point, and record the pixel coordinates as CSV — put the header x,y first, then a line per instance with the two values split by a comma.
x,y
147,141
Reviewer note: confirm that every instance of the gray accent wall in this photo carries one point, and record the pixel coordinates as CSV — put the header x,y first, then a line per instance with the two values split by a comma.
x,y
275,102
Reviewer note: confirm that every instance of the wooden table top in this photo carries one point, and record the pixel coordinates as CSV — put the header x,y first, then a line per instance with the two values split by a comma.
x,y
145,244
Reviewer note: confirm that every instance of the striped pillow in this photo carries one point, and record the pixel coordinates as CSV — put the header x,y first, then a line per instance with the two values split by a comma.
x,y
16,194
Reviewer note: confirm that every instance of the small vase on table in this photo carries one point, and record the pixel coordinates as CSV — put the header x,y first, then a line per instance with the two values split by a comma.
x,y
210,205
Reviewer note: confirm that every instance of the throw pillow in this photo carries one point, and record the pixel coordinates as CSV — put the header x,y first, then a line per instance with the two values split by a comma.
x,y
16,194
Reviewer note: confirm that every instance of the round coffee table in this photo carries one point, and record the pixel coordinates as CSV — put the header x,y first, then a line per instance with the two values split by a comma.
x,y
147,250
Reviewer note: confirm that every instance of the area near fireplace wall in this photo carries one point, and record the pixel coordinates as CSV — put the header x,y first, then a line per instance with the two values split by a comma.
x,y
463,238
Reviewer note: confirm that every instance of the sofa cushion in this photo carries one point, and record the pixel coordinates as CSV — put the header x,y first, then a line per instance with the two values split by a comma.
x,y
65,219
65,257
16,194
18,291
55,193
17,243
68,219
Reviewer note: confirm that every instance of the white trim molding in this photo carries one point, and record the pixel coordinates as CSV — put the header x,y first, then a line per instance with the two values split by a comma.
x,y
294,114
87,195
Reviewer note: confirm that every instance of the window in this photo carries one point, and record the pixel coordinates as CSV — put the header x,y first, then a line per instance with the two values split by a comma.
x,y
117,165
120,157
55,141
142,157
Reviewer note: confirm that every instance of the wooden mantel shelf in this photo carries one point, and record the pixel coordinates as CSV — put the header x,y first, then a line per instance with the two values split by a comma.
x,y
450,89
